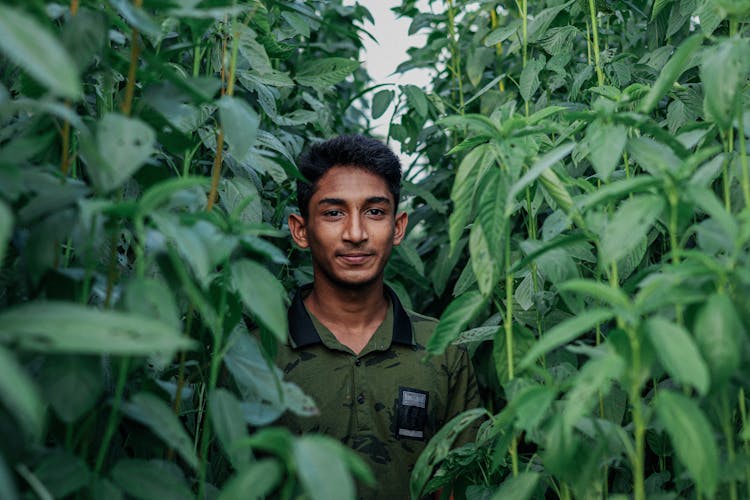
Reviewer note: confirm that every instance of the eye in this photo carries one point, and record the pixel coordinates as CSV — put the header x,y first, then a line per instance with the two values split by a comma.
x,y
333,213
377,212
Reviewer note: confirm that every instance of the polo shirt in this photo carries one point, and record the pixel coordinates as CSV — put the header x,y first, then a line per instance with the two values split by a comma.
x,y
385,402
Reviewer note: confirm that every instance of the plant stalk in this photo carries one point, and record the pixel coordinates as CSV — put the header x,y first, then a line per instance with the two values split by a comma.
x,y
114,415
595,33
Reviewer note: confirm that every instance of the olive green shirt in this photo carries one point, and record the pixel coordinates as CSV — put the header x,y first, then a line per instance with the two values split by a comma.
x,y
385,403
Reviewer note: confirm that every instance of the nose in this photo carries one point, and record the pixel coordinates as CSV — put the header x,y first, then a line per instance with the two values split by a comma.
x,y
355,230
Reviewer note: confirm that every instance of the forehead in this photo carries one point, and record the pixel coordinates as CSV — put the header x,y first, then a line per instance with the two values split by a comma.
x,y
350,182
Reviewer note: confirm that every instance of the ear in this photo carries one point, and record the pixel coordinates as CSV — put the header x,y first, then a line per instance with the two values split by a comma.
x,y
400,227
298,228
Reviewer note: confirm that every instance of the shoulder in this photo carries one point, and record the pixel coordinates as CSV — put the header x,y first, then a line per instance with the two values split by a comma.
x,y
423,326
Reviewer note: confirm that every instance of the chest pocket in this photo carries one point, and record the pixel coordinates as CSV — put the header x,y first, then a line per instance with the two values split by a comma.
x,y
411,413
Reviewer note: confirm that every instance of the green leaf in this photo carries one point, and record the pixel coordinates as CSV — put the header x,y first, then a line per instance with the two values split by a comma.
x,y
719,332
8,489
438,447
671,72
150,479
257,481
531,404
262,294
322,469
631,222
240,197
59,327
543,163
406,251
416,99
157,415
692,438
161,192
499,35
616,190
123,145
239,122
229,425
463,191
655,157
454,319
20,396
325,72
136,17
529,82
591,383
723,71
6,228
678,353
483,262
62,473
519,487
606,143
31,46
380,102
615,297
72,384
493,191
565,332
265,395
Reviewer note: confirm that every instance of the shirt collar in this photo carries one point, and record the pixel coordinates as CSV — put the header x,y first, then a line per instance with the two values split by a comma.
x,y
302,331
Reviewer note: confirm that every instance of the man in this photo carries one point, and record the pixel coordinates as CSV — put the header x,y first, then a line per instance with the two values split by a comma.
x,y
352,345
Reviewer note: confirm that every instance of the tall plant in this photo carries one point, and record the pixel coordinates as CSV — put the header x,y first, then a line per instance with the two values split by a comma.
x,y
597,240
147,154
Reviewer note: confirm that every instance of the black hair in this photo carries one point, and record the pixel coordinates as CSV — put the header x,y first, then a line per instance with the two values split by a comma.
x,y
355,151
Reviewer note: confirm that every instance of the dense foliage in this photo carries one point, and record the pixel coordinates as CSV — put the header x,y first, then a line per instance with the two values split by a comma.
x,y
578,218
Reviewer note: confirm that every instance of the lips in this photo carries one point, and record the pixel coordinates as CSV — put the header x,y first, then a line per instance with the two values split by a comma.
x,y
355,258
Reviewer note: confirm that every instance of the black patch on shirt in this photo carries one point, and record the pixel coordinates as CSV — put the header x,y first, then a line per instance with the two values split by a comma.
x,y
411,413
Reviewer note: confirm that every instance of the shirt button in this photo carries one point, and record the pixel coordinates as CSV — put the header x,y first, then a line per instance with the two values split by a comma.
x,y
361,399
358,362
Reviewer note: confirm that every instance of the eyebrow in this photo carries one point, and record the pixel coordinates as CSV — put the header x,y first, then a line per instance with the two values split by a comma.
x,y
370,200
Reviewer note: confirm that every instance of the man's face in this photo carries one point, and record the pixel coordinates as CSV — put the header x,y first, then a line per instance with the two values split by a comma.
x,y
351,227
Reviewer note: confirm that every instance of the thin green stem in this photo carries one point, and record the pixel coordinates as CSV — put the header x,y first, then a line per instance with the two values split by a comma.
x,y
595,33
743,159
726,425
455,55
743,420
114,415
637,460
218,333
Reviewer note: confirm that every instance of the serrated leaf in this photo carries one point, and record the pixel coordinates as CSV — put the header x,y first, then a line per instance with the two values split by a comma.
x,y
31,46
416,99
671,72
158,416
463,192
565,332
255,482
454,319
326,72
631,222
136,17
606,144
493,191
240,124
123,145
678,353
262,294
150,479
499,35
719,332
438,447
483,262
543,163
410,255
59,327
528,83
723,71
692,438
380,102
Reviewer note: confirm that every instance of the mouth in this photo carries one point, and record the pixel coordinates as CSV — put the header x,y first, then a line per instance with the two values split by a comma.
x,y
355,258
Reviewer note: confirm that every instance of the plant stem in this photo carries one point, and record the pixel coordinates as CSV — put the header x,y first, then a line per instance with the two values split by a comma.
x,y
218,332
114,415
595,33
509,335
726,424
743,419
639,489
135,50
498,46
743,159
455,55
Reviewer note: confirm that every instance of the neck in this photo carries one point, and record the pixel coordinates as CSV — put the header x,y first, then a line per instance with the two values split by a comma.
x,y
352,314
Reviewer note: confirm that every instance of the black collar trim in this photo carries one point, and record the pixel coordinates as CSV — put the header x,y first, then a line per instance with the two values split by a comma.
x,y
303,333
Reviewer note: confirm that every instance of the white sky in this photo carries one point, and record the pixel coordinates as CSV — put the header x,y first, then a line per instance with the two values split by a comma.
x,y
382,58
